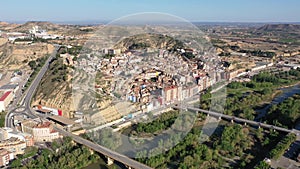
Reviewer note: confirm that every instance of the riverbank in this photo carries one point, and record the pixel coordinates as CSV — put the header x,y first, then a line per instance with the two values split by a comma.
x,y
286,92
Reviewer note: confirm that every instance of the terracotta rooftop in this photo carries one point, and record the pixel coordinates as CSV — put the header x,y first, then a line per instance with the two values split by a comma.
x,y
43,125
4,96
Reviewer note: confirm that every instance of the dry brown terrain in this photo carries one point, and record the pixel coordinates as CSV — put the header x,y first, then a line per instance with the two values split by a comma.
x,y
13,56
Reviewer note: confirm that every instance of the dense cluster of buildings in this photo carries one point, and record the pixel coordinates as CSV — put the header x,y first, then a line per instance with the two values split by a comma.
x,y
14,142
157,79
5,157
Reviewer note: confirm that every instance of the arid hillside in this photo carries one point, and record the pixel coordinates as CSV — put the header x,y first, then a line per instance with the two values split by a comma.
x,y
55,88
13,56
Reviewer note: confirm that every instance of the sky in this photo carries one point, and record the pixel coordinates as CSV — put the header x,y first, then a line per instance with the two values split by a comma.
x,y
191,10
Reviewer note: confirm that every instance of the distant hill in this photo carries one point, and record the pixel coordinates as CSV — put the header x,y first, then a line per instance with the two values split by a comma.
x,y
43,25
280,27
143,41
3,23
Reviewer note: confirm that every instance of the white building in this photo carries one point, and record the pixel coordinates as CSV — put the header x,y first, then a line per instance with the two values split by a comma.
x,y
5,99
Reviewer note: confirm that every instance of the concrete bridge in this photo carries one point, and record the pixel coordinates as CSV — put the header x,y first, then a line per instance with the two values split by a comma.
x,y
110,155
240,120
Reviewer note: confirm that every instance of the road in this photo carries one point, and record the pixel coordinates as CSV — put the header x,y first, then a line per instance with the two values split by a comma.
x,y
25,108
28,94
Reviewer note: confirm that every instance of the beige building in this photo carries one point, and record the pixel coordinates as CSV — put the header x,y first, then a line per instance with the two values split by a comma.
x,y
5,157
7,133
41,131
171,94
14,145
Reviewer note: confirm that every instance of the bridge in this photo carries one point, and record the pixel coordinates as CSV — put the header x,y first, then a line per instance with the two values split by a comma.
x,y
240,120
109,154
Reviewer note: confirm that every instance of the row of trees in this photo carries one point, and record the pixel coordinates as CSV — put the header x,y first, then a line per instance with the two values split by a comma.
x,y
283,145
278,151
36,67
162,122
259,53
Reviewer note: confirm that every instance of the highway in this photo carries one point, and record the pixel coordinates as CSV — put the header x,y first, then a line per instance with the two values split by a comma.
x,y
28,94
241,120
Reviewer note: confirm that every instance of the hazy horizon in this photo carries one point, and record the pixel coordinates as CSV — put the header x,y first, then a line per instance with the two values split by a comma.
x,y
236,11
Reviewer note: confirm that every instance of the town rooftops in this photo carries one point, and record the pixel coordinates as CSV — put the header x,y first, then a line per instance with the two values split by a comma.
x,y
170,87
43,125
4,96
3,152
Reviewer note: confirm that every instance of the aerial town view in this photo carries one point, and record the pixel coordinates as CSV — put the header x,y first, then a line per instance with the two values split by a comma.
x,y
150,84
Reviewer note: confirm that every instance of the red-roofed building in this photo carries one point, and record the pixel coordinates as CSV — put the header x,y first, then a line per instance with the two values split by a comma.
x,y
5,99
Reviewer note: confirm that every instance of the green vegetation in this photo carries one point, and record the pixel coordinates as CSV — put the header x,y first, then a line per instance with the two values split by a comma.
x,y
225,54
189,55
36,67
2,118
259,53
106,137
59,71
74,50
244,97
65,154
283,145
162,122
288,110
189,153
263,165
233,142
139,46
231,146
108,56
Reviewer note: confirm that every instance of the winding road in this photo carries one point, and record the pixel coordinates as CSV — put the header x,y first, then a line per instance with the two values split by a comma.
x,y
26,109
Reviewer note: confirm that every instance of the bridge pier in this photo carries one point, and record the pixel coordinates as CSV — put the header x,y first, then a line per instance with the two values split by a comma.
x,y
231,121
219,118
109,161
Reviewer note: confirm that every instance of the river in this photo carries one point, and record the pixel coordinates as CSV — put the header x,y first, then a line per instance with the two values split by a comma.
x,y
286,92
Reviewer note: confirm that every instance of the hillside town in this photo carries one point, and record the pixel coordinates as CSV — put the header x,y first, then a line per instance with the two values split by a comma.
x,y
131,84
